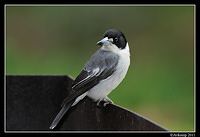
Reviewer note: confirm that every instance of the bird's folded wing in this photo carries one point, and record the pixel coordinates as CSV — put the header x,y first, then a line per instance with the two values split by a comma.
x,y
80,86
100,66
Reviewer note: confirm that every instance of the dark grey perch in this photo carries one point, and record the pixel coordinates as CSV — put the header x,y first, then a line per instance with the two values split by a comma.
x,y
32,102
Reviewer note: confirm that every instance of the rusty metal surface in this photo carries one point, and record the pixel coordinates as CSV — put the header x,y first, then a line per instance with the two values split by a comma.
x,y
32,102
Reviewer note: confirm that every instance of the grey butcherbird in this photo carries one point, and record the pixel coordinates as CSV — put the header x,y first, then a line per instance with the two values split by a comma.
x,y
101,74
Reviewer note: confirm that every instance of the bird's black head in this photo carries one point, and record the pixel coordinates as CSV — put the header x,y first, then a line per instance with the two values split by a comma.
x,y
118,38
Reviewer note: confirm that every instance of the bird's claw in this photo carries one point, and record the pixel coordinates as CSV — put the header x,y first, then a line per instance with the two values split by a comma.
x,y
106,103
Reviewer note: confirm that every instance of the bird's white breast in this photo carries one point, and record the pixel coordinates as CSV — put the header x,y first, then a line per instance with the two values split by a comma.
x,y
104,87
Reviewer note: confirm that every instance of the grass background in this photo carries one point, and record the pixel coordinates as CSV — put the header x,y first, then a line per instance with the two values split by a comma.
x,y
60,39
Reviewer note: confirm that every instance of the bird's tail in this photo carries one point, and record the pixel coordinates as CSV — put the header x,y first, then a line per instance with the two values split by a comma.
x,y
61,113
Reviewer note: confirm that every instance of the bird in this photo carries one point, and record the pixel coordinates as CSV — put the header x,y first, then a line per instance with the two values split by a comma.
x,y
102,73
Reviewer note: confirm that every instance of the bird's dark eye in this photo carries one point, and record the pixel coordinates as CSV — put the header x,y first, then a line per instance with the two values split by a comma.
x,y
116,39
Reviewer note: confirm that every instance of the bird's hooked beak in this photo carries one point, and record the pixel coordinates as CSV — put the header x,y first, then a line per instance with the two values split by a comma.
x,y
104,42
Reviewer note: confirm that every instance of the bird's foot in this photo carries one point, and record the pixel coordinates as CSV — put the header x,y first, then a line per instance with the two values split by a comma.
x,y
108,101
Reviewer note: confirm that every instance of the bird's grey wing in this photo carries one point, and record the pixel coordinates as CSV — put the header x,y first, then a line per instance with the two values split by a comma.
x,y
100,66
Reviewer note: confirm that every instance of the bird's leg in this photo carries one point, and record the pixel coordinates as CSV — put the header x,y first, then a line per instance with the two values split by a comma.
x,y
98,103
108,101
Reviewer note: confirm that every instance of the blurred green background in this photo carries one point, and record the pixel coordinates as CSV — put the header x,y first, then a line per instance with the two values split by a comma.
x,y
60,39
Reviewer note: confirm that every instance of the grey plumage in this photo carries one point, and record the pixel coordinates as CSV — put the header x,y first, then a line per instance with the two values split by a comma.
x,y
102,59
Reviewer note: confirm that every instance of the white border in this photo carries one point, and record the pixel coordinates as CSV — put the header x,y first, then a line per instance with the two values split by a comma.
x,y
104,5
